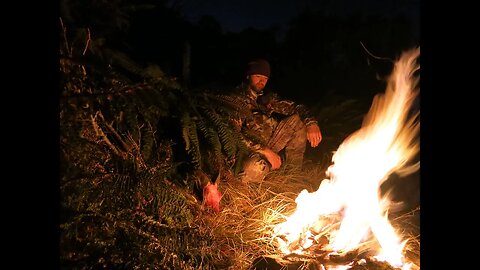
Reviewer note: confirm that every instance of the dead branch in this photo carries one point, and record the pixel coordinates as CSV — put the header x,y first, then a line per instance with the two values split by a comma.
x,y
376,57
65,38
117,136
99,132
88,41
135,147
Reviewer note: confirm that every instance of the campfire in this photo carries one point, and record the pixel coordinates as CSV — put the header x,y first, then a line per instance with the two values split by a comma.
x,y
345,223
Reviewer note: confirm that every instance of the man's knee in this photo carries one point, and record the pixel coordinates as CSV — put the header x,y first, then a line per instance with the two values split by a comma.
x,y
294,119
296,123
299,129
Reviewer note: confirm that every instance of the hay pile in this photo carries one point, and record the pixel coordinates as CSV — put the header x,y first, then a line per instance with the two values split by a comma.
x,y
243,228
250,211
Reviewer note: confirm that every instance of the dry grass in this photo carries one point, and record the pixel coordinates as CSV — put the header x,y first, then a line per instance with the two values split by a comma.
x,y
244,227
411,231
250,211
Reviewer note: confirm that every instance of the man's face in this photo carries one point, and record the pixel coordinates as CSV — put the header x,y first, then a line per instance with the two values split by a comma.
x,y
257,82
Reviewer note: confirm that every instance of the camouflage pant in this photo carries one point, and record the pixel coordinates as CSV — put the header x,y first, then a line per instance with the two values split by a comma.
x,y
290,134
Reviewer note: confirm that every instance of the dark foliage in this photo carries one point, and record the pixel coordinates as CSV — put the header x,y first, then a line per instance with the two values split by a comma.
x,y
124,198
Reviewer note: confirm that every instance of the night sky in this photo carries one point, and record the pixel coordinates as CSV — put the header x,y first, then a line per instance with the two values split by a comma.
x,y
236,15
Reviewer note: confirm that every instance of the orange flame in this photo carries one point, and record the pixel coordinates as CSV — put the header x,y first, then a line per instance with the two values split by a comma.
x,y
385,143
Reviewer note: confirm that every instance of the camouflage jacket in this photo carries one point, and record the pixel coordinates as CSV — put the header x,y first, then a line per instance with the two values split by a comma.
x,y
267,109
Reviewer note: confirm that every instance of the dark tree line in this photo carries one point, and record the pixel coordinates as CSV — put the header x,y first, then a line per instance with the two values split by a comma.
x,y
319,53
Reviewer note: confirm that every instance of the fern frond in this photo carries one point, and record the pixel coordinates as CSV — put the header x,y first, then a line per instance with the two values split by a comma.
x,y
225,132
212,137
185,122
122,60
190,137
228,104
147,142
195,149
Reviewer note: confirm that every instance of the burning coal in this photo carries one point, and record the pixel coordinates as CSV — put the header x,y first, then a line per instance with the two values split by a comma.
x,y
348,212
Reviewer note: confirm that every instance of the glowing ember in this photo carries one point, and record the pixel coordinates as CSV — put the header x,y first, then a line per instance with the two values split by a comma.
x,y
384,144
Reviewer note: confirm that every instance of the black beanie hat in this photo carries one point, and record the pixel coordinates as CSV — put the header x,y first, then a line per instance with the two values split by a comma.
x,y
259,66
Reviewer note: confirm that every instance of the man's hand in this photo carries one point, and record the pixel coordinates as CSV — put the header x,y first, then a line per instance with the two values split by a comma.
x,y
314,136
272,157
